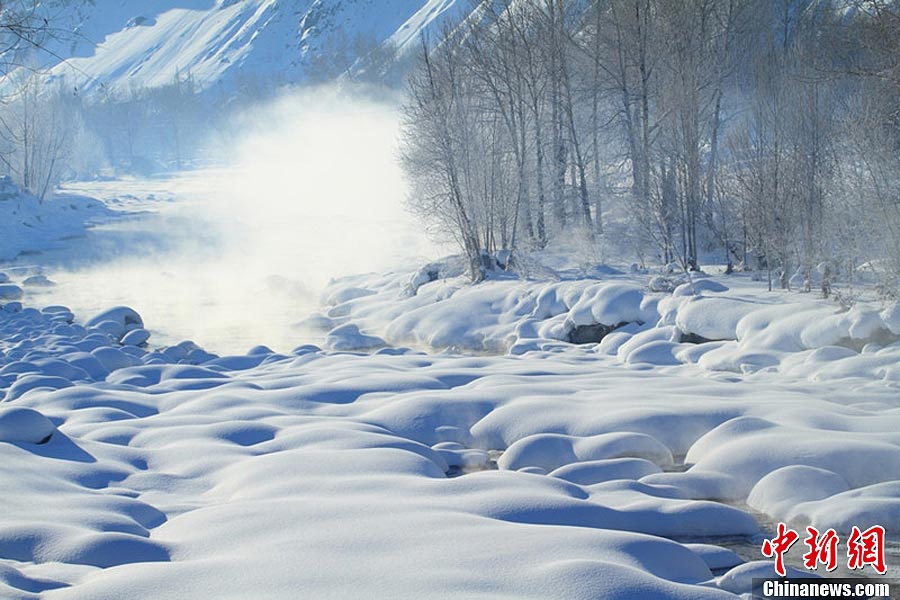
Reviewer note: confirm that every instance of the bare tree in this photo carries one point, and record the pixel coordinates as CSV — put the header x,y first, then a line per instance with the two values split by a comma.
x,y
438,155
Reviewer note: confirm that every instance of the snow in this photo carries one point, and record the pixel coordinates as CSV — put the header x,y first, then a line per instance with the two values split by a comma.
x,y
716,557
740,579
38,280
136,337
409,34
30,225
445,440
220,44
430,438
587,472
170,471
722,323
9,291
711,317
610,305
349,337
18,424
550,451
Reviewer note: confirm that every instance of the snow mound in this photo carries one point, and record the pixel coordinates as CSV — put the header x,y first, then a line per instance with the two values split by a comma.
x,y
716,557
588,472
116,321
713,318
136,337
38,281
349,337
28,382
19,424
612,304
551,451
10,291
699,286
172,472
739,580
781,490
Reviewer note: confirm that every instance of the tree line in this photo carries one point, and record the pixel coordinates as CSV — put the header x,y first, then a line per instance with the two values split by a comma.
x,y
764,134
49,132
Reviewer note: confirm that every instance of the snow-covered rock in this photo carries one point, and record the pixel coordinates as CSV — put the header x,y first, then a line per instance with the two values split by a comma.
x,y
116,321
891,318
28,382
588,472
349,337
9,291
20,424
716,557
136,337
739,580
613,304
38,281
732,324
698,287
552,451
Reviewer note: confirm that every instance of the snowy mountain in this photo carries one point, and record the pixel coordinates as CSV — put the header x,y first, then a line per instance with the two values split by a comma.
x,y
121,44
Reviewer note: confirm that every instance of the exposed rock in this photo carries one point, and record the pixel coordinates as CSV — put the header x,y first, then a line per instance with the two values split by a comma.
x,y
591,334
693,338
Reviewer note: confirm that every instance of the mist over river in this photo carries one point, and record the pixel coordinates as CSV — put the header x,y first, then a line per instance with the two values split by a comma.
x,y
211,257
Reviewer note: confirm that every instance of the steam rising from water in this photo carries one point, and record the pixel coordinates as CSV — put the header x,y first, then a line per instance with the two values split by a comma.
x,y
314,191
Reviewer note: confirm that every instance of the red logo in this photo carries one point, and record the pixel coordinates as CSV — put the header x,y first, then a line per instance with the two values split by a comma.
x,y
863,548
821,551
866,548
780,544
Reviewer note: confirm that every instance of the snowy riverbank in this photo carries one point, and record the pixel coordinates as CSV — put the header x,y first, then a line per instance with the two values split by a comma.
x,y
724,323
31,225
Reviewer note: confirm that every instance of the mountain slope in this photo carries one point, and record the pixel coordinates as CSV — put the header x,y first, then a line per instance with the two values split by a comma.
x,y
117,45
